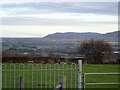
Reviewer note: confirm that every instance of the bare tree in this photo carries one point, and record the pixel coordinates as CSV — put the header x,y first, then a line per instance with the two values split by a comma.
x,y
95,51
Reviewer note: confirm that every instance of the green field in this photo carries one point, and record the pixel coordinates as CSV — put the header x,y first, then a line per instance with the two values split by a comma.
x,y
48,77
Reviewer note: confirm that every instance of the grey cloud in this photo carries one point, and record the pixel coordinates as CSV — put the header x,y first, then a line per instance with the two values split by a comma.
x,y
80,7
109,8
45,21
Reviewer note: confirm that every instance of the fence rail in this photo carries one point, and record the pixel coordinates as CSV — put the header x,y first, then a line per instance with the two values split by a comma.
x,y
48,76
99,83
38,75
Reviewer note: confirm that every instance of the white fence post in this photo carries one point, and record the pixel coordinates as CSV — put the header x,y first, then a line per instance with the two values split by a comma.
x,y
80,75
0,76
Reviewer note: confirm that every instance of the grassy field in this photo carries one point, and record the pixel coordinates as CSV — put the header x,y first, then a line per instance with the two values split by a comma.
x,y
48,77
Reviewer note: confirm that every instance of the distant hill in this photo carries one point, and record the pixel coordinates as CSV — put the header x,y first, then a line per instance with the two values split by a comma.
x,y
112,36
71,35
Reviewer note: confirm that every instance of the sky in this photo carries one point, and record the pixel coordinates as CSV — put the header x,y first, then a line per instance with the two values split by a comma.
x,y
35,18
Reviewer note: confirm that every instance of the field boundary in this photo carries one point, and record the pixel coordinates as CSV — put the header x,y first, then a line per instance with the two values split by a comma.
x,y
48,76
99,83
40,76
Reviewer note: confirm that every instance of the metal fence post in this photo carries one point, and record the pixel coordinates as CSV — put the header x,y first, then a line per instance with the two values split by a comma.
x,y
0,76
21,84
63,82
80,75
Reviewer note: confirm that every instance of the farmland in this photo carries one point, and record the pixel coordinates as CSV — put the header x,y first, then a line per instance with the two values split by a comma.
x,y
43,47
43,75
47,77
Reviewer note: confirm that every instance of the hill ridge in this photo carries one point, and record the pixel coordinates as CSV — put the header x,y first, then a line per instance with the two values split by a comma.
x,y
110,36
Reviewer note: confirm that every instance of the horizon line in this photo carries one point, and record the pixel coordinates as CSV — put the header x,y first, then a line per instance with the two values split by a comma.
x,y
52,33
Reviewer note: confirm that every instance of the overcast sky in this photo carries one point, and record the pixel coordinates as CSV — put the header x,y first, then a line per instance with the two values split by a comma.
x,y
21,18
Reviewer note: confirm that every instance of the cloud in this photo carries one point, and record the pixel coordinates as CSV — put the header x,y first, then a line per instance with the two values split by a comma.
x,y
79,7
19,1
73,19
58,13
39,18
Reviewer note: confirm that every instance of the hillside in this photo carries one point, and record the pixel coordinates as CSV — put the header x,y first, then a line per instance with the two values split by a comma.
x,y
112,36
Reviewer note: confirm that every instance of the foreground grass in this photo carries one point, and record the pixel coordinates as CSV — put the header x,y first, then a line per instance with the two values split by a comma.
x,y
101,68
48,77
